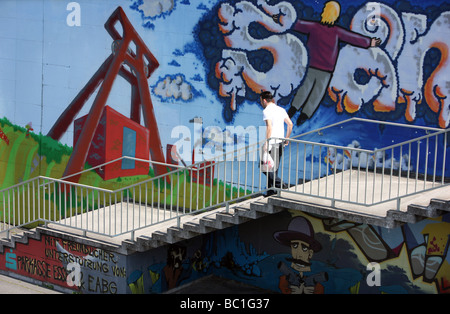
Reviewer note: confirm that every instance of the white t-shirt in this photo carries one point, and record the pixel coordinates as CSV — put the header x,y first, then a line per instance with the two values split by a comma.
x,y
277,115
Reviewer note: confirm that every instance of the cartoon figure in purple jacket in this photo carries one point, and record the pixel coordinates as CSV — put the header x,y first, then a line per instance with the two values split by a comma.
x,y
323,42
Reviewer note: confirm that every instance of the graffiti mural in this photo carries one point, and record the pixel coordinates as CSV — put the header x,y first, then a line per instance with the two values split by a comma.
x,y
299,236
380,82
297,253
72,265
385,76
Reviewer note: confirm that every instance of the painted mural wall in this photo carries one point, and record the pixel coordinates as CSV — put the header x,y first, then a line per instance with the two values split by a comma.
x,y
209,60
296,253
287,253
67,264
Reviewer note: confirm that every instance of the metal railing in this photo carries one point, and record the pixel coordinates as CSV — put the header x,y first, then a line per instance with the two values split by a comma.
x,y
309,166
363,176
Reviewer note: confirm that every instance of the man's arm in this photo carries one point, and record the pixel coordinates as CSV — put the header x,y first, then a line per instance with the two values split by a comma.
x,y
301,26
356,39
268,133
289,123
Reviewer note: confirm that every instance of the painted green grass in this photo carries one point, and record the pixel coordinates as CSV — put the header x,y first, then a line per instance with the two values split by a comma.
x,y
29,155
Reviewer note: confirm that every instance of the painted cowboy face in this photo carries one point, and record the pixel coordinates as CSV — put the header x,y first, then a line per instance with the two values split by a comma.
x,y
301,256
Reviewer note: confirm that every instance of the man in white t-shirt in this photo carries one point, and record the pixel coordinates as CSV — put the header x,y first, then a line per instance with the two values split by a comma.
x,y
275,118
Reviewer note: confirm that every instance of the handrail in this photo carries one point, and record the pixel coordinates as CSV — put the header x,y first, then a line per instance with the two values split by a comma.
x,y
119,159
412,126
332,172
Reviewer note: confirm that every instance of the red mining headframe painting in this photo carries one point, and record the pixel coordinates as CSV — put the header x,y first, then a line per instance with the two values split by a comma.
x,y
131,59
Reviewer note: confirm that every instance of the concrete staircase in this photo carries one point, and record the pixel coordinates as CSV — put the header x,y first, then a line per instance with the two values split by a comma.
x,y
206,222
195,225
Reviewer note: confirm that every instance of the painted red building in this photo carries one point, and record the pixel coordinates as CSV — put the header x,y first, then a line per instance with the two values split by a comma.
x,y
116,136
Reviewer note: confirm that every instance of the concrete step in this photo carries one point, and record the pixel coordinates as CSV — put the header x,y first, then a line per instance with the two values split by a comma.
x,y
164,237
146,243
181,233
197,228
402,217
215,223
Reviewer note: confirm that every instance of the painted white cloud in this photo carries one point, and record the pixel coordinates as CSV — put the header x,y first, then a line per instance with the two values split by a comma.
x,y
175,88
152,8
363,160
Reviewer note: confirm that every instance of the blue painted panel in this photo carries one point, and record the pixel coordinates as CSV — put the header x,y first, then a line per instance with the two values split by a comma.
x,y
128,148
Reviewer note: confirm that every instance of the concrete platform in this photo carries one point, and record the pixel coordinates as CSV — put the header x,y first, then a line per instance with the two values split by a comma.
x,y
162,226
374,189
368,192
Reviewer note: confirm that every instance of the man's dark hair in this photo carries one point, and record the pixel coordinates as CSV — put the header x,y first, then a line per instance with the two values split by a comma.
x,y
266,95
